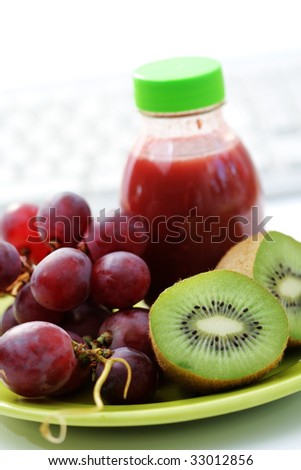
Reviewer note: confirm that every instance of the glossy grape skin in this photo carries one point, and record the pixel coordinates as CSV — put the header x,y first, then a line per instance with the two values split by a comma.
x,y
61,281
26,308
64,219
120,280
10,265
85,319
115,231
144,381
36,359
18,228
7,320
129,328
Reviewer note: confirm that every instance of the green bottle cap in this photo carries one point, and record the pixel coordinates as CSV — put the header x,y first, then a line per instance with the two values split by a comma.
x,y
178,85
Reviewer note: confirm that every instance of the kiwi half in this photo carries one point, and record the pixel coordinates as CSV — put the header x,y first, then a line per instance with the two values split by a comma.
x,y
274,260
217,330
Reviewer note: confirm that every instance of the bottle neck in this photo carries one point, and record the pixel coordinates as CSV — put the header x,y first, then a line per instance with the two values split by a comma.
x,y
183,124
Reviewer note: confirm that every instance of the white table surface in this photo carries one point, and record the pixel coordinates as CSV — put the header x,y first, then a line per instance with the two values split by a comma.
x,y
276,425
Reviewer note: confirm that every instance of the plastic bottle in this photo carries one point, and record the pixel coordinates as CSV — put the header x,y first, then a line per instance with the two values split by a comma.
x,y
188,175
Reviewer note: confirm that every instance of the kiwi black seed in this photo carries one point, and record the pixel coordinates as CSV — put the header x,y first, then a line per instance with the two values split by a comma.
x,y
217,330
251,329
274,261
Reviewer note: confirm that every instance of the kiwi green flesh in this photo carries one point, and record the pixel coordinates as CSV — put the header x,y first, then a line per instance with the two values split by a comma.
x,y
277,267
219,327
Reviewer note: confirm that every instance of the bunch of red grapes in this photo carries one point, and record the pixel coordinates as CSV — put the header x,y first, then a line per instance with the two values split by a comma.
x,y
75,282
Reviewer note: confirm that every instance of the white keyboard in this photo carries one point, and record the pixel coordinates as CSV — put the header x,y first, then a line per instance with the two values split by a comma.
x,y
264,106
77,136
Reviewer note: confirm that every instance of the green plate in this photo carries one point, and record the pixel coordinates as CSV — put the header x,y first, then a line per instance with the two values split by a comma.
x,y
172,404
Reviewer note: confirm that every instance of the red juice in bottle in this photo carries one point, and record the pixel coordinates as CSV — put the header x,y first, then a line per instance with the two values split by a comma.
x,y
192,180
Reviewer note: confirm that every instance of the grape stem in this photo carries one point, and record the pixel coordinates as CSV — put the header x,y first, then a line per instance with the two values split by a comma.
x,y
108,364
22,279
90,356
46,432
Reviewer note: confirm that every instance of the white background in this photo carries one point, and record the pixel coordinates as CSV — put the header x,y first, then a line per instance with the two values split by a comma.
x,y
44,41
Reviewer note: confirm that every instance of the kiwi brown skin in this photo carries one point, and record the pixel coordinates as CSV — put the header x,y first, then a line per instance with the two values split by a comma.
x,y
203,385
241,258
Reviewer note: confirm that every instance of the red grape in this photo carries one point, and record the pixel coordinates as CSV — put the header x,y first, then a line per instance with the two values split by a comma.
x,y
120,280
144,380
129,328
80,374
78,339
36,358
61,281
10,265
116,231
63,219
7,320
85,319
18,228
26,308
